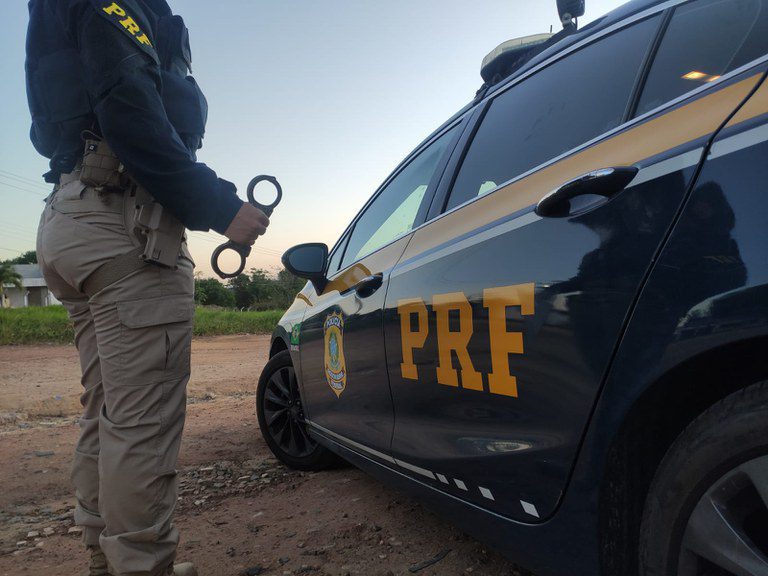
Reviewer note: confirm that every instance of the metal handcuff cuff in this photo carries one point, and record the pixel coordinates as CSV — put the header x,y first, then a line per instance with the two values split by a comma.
x,y
245,251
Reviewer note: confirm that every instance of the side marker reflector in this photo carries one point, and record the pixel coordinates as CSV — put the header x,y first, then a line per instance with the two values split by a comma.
x,y
530,509
486,493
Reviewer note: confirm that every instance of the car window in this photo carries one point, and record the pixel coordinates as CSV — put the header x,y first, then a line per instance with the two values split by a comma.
x,y
570,102
394,210
705,39
335,258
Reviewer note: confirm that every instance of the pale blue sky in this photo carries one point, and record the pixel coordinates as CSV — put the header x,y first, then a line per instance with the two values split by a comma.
x,y
327,96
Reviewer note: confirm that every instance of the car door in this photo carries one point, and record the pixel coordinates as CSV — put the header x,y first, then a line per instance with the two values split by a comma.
x,y
343,366
500,322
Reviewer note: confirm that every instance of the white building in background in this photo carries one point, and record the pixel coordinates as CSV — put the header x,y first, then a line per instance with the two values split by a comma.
x,y
35,291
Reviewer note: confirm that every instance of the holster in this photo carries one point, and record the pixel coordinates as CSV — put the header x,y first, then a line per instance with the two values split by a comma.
x,y
158,237
164,234
163,231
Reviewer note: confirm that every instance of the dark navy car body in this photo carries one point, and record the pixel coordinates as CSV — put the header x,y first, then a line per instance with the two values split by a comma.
x,y
524,371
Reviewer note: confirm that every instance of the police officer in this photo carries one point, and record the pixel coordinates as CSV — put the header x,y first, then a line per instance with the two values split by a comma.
x,y
117,74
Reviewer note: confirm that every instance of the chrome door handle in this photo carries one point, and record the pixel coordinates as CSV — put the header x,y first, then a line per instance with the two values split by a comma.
x,y
604,182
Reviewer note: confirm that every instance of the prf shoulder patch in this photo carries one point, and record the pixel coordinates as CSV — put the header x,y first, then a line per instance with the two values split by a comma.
x,y
128,18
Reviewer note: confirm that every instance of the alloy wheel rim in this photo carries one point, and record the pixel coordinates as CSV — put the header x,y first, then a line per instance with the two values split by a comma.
x,y
727,532
284,414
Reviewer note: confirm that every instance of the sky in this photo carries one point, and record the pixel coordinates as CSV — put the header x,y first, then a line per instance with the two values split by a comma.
x,y
327,96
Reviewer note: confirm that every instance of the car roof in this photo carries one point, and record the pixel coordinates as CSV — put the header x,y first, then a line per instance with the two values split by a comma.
x,y
617,15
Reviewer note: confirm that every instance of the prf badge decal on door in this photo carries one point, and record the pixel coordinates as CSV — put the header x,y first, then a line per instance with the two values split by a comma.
x,y
335,367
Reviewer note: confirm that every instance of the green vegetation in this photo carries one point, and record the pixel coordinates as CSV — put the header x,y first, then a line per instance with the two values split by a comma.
x,y
252,303
213,321
51,324
255,290
28,257
33,325
8,274
9,277
211,292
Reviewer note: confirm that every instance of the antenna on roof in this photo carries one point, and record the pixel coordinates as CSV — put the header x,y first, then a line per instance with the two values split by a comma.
x,y
512,55
570,11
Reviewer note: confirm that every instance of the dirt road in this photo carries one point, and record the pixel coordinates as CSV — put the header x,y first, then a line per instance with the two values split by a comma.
x,y
240,511
42,381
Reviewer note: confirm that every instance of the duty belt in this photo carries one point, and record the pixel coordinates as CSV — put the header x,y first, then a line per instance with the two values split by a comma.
x,y
114,270
159,233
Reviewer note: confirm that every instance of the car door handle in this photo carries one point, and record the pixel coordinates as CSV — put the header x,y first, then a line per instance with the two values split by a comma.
x,y
368,285
604,182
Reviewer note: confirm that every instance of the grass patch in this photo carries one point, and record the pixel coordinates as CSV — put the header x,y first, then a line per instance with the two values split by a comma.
x,y
51,324
214,321
35,324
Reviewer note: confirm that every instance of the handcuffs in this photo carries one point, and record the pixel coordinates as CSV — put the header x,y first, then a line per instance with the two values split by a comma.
x,y
245,251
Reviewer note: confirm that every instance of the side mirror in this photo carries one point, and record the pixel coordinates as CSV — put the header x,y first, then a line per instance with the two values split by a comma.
x,y
308,261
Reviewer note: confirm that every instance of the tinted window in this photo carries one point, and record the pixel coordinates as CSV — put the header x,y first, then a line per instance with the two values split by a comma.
x,y
564,105
705,40
335,258
394,210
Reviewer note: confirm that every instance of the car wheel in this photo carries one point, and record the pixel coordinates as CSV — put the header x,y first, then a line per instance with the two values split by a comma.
x,y
707,510
281,417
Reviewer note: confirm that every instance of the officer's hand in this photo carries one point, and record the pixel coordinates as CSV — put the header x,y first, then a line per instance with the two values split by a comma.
x,y
249,223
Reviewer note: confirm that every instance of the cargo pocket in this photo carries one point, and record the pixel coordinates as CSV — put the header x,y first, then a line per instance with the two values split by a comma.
x,y
156,338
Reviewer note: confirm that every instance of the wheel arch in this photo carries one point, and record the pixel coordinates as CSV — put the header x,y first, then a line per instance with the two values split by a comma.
x,y
277,346
662,411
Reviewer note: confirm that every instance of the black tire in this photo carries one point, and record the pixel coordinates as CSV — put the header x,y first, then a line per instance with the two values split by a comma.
x,y
281,418
706,513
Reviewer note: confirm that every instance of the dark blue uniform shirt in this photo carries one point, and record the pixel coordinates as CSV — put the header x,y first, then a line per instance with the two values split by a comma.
x,y
119,68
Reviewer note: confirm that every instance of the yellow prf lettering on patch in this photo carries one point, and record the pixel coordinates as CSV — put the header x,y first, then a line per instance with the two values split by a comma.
x,y
114,9
504,343
130,25
412,339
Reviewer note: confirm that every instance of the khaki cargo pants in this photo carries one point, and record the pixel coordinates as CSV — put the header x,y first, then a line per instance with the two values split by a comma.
x,y
133,338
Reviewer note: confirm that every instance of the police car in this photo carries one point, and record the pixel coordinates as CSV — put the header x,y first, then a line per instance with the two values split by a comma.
x,y
551,321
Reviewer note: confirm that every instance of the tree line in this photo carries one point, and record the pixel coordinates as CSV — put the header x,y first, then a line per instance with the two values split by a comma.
x,y
256,290
8,274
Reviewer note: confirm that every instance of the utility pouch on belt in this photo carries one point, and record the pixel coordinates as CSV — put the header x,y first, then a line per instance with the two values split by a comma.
x,y
164,233
101,168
